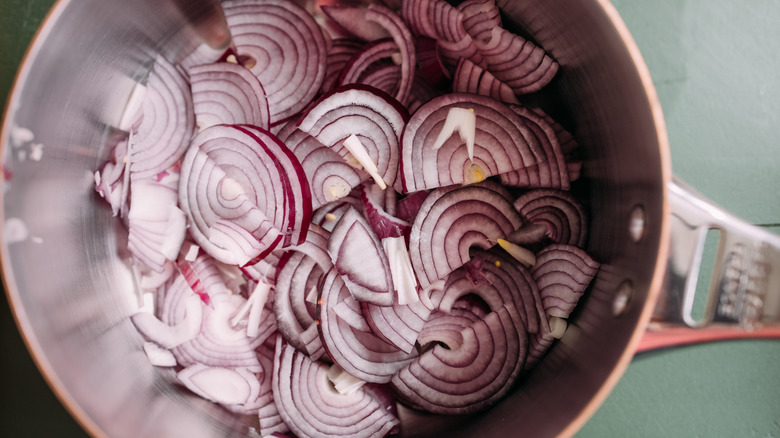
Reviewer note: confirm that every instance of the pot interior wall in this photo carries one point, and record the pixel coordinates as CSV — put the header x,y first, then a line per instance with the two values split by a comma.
x,y
73,294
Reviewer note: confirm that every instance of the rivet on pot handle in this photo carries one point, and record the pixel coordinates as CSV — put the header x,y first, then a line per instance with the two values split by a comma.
x,y
743,299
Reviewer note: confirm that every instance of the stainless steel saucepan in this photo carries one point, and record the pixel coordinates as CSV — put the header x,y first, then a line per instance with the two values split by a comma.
x,y
72,295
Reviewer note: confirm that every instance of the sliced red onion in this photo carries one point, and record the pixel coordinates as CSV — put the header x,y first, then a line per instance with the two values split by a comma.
x,y
300,271
221,385
219,343
480,17
168,122
452,52
471,78
388,19
433,18
410,204
359,257
156,226
112,179
328,215
295,316
398,324
454,219
381,222
350,343
300,211
383,77
504,282
169,336
159,356
227,93
540,343
473,376
559,211
311,407
404,278
371,115
243,193
287,49
563,273
519,63
270,421
339,54
371,54
352,19
503,142
446,328
329,176
554,171
430,68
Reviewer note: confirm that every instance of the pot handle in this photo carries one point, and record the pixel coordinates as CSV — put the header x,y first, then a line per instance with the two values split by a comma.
x,y
743,298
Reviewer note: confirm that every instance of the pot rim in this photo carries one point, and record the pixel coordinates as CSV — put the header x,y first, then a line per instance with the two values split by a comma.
x,y
663,244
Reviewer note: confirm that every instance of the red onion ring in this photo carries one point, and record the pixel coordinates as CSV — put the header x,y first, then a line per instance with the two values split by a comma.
x,y
563,273
288,50
359,257
559,211
310,407
351,344
503,142
168,122
472,376
454,219
227,93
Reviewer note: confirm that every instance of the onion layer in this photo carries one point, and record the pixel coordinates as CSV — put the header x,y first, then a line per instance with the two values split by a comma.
x,y
311,407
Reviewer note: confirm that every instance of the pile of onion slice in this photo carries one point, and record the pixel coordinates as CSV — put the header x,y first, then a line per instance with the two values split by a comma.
x,y
342,213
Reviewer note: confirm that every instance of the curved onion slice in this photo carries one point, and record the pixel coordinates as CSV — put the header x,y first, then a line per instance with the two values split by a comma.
x,y
329,176
287,50
297,286
348,339
563,273
555,171
398,325
168,122
480,17
502,281
472,376
452,220
219,343
503,141
270,421
371,54
371,115
381,222
329,214
517,62
225,386
339,54
352,19
446,328
156,227
170,336
388,19
384,77
311,407
112,180
559,211
358,256
433,18
227,93
244,193
472,78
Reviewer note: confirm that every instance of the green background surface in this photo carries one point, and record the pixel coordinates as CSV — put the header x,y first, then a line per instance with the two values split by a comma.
x,y
716,67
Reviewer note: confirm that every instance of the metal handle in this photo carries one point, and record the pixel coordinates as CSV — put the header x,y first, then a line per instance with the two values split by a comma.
x,y
743,299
